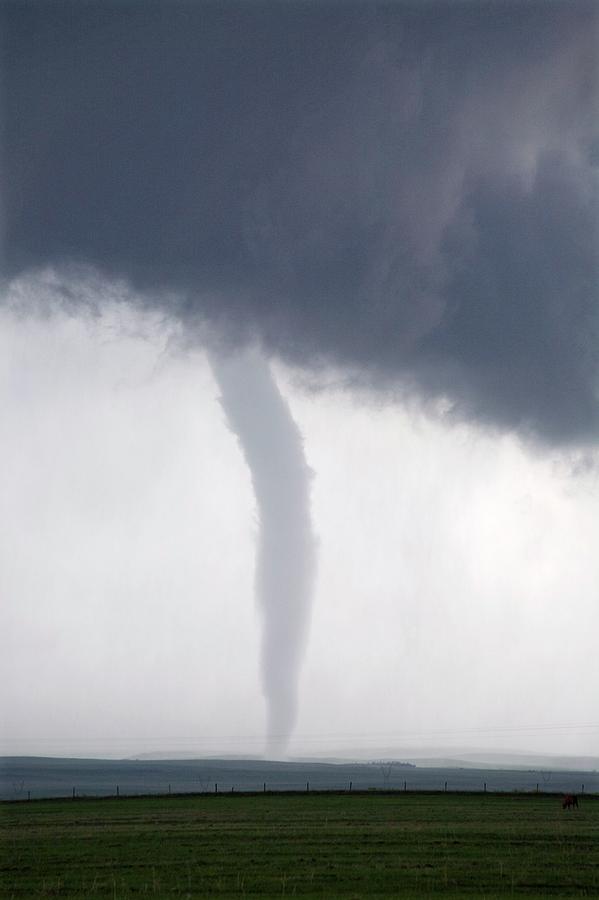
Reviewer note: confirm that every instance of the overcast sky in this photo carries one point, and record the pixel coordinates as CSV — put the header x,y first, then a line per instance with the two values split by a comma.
x,y
396,208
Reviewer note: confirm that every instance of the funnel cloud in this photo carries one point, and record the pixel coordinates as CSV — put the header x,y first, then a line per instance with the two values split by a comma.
x,y
286,559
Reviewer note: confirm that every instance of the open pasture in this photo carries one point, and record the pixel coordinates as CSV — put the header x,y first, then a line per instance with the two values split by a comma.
x,y
311,845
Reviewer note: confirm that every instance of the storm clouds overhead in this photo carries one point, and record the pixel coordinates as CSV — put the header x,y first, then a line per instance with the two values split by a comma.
x,y
406,192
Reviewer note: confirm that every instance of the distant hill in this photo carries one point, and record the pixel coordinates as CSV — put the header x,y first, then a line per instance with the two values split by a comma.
x,y
443,757
35,777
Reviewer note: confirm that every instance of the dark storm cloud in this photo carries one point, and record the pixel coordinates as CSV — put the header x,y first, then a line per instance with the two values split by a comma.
x,y
406,192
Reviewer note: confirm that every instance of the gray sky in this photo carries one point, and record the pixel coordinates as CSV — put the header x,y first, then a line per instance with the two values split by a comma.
x,y
398,204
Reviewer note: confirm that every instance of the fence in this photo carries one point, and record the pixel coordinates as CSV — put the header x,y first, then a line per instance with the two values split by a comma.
x,y
29,778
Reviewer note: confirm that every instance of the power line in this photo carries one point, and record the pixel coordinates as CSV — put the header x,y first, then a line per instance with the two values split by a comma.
x,y
578,728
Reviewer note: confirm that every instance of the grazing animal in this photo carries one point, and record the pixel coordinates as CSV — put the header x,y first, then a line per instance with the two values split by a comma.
x,y
570,801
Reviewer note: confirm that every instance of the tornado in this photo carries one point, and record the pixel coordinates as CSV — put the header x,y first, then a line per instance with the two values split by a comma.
x,y
272,446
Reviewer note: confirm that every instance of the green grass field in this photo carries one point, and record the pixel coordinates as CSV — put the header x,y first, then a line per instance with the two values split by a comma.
x,y
310,845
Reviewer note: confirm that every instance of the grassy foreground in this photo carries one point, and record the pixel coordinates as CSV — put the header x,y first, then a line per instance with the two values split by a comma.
x,y
310,845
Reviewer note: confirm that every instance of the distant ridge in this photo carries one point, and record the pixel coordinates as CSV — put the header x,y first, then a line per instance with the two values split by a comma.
x,y
422,757
23,778
190,755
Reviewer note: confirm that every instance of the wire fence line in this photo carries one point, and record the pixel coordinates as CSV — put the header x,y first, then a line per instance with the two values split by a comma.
x,y
35,778
23,793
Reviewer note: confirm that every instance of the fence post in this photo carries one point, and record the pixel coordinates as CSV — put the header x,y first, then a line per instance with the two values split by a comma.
x,y
485,787
307,786
264,787
215,788
582,789
350,785
537,788
445,787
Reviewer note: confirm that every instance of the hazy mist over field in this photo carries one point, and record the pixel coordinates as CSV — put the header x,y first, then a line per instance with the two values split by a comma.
x,y
299,365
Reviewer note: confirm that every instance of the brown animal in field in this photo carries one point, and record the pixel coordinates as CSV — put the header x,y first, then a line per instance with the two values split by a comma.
x,y
570,801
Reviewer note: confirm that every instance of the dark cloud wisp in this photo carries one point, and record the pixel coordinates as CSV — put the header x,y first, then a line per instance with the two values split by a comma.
x,y
407,192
